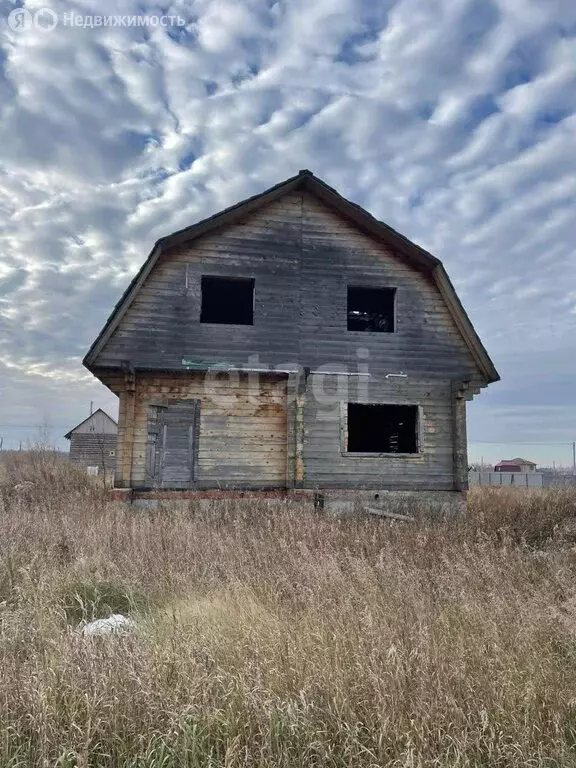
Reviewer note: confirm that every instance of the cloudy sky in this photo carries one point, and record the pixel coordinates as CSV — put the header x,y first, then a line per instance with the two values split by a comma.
x,y
452,120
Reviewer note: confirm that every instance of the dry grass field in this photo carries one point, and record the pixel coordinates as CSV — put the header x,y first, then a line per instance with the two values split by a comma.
x,y
272,636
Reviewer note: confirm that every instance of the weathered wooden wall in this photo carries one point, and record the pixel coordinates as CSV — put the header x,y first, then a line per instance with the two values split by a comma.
x,y
90,449
326,465
302,256
242,438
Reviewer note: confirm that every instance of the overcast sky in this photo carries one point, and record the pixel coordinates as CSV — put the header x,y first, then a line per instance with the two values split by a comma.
x,y
452,120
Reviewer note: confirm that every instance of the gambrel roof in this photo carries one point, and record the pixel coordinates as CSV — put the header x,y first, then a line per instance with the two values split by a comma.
x,y
364,221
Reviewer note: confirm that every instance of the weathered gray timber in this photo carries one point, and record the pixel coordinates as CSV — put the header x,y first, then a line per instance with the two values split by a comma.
x,y
172,443
303,260
187,433
303,246
94,442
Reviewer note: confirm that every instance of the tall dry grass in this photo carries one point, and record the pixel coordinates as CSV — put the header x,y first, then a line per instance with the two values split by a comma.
x,y
272,636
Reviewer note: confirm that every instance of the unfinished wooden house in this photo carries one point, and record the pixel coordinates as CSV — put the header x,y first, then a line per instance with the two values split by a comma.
x,y
93,444
291,343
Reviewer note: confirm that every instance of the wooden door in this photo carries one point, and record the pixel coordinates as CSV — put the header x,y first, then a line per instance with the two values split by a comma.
x,y
172,444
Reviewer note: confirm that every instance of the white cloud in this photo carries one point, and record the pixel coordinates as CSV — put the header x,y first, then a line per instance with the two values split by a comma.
x,y
452,120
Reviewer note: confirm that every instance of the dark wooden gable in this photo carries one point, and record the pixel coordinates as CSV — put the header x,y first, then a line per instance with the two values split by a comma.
x,y
275,250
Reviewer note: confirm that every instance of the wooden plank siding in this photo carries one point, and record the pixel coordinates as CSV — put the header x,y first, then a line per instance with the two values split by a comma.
x,y
241,435
93,450
335,254
303,256
97,423
328,466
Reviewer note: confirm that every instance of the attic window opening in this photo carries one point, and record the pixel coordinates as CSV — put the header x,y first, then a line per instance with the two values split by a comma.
x,y
227,300
371,309
382,428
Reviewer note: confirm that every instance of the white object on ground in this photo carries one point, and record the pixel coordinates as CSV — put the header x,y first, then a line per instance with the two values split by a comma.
x,y
113,625
24,486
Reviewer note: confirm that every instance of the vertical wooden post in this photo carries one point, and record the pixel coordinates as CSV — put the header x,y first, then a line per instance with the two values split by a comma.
x,y
459,439
118,473
296,399
291,393
123,476
300,424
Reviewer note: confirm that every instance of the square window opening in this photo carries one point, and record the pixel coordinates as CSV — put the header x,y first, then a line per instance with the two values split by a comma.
x,y
227,300
382,428
371,309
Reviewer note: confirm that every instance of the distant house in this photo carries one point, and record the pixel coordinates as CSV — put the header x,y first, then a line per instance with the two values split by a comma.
x,y
93,443
515,465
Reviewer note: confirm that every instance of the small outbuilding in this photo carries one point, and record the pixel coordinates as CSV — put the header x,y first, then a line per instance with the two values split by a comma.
x,y
515,465
93,444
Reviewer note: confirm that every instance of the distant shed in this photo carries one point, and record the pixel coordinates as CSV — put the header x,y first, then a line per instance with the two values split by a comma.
x,y
93,443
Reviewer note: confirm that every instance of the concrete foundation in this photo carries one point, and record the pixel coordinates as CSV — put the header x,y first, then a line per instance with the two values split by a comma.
x,y
414,504
339,503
